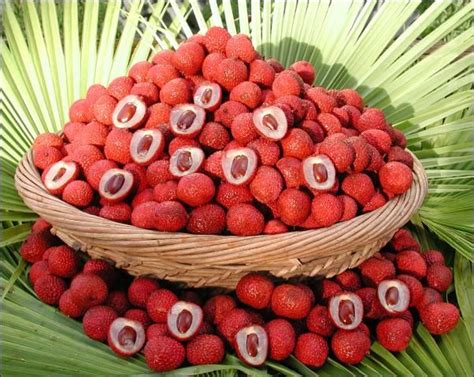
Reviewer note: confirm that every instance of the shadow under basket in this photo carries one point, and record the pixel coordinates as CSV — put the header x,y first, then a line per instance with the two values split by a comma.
x,y
219,261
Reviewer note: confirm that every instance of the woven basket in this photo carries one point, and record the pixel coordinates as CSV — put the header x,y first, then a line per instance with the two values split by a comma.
x,y
203,260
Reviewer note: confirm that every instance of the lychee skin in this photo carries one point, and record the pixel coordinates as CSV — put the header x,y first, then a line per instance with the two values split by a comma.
x,y
373,309
439,277
164,192
117,146
88,290
281,339
158,304
188,58
267,184
97,320
163,57
326,209
69,307
261,73
305,70
35,246
268,151
80,111
294,206
242,128
163,353
156,329
118,301
144,215
290,169
290,301
229,195
216,39
50,288
158,172
350,346
120,87
412,263
217,307
94,92
205,349
160,74
139,71
371,118
175,91
297,143
247,93
234,320
214,135
414,286
103,109
245,220
319,321
63,261
254,290
103,269
359,186
287,83
170,216
403,240
37,270
210,65
240,47
78,193
195,189
207,219
432,257
44,156
395,177
231,73
119,212
375,270
440,317
228,111
140,289
349,280
138,315
394,334
311,349
429,296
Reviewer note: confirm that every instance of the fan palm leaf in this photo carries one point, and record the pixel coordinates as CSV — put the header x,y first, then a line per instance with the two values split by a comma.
x,y
51,53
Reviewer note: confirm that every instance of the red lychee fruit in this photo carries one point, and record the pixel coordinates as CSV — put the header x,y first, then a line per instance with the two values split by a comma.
x,y
398,154
276,65
163,57
297,143
294,206
49,288
240,47
160,74
120,87
341,154
319,321
281,339
49,139
247,93
156,329
159,115
117,146
245,220
349,207
305,70
78,193
69,307
143,197
40,224
144,215
371,118
213,165
103,269
139,71
287,83
254,290
118,301
165,191
188,58
429,296
35,246
214,135
377,201
103,109
349,280
216,39
205,349
395,177
211,64
326,209
432,257
411,263
195,189
350,97
93,133
37,270
119,212
242,128
290,301
158,172
394,334
94,92
138,315
217,307
175,91
170,216
374,270
359,186
163,353
80,111
372,307
311,349
228,111
63,261
375,158
325,104
440,317
233,321
350,346
268,152
261,73
158,304
97,170
97,321
290,168
126,337
44,156
314,130
229,195
379,139
230,73
403,240
267,184
88,290
327,289
414,286
207,219
439,277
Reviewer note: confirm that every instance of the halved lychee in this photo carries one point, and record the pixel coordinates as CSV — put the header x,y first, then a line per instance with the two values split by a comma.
x,y
115,185
251,344
187,120
319,172
146,146
208,95
394,295
270,122
239,165
59,175
129,112
186,160
346,310
184,320
126,337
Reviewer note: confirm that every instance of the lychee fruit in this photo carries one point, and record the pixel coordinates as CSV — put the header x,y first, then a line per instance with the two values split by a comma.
x,y
294,206
188,58
261,73
242,128
156,329
37,270
184,320
88,290
120,87
439,277
208,95
268,152
78,193
70,307
140,290
44,156
119,212
205,349
439,317
159,303
214,136
346,310
228,111
394,334
239,165
255,290
126,337
375,270
411,263
377,201
350,97
63,261
207,219
398,154
36,244
251,345
281,339
429,296
297,143
320,322
160,74
229,195
146,146
247,93
158,172
245,220
271,122
233,321
97,321
318,172
395,177
170,216
115,185
210,65
311,349
144,215
379,139
118,301
195,189
359,186
349,280
287,83
372,307
81,111
267,184
163,353
290,301
431,257
230,73
414,286
326,209
350,346
103,269
371,118
117,146
176,91
305,70
403,240
394,296
216,39
164,192
49,288
217,307
138,315
240,47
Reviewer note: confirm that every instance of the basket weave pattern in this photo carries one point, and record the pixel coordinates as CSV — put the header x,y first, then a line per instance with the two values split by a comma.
x,y
204,260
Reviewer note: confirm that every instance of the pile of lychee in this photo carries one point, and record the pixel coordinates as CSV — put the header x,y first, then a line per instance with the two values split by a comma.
x,y
264,319
214,139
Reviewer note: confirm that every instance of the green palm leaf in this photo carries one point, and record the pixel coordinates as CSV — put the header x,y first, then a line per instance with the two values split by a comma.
x,y
51,53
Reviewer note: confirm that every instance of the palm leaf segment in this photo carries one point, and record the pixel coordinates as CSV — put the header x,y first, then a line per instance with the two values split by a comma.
x,y
51,54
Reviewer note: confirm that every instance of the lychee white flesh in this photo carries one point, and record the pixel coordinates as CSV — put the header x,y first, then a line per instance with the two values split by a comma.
x,y
146,146
115,184
270,122
393,295
346,310
319,172
186,160
60,174
252,345
239,165
126,336
184,319
129,112
208,95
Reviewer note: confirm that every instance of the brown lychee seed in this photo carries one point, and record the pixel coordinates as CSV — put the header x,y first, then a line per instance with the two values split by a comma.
x,y
346,310
146,146
394,295
208,95
115,185
239,165
186,160
187,120
319,172
270,122
59,175
130,112
251,344
126,337
184,320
